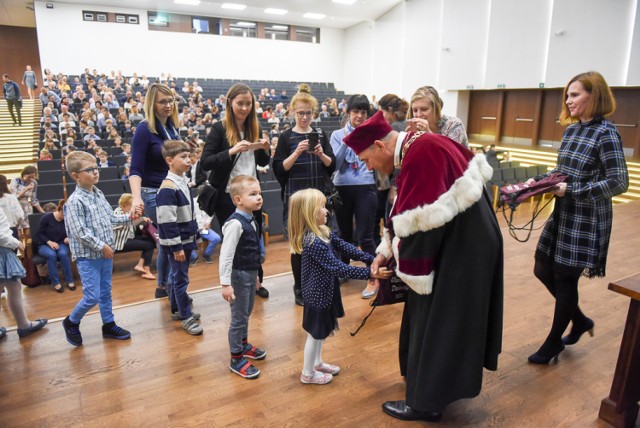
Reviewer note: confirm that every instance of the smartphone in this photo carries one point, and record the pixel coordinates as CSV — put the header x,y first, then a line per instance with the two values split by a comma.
x,y
313,141
412,126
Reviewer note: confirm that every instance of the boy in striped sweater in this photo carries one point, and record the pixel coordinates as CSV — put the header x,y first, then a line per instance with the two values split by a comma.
x,y
177,229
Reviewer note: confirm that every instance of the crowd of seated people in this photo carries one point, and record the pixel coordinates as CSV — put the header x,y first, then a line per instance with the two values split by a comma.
x,y
98,113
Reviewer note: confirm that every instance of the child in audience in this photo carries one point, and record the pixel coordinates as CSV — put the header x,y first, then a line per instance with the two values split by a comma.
x,y
321,268
45,155
239,265
89,222
204,228
103,160
126,150
178,229
69,147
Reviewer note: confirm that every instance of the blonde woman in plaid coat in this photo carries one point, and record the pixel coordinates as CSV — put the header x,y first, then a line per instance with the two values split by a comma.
x,y
575,239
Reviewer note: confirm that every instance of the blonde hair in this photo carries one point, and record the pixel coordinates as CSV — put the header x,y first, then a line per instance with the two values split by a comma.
x,y
601,103
303,213
304,96
149,106
238,184
74,160
430,93
125,199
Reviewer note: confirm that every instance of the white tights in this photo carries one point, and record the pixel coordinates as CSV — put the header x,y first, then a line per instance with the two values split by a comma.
x,y
14,297
312,355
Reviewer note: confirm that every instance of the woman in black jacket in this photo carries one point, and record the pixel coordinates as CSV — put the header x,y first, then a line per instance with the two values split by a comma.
x,y
233,147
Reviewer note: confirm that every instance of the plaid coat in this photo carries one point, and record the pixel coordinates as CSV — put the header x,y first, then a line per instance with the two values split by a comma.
x,y
577,234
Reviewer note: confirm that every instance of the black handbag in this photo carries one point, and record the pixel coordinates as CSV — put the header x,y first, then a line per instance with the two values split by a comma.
x,y
208,195
392,290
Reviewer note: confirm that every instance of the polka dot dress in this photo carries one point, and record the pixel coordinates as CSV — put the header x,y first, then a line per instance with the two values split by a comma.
x,y
321,268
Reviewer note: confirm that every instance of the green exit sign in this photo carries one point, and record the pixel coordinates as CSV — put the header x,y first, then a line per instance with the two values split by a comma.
x,y
541,85
501,86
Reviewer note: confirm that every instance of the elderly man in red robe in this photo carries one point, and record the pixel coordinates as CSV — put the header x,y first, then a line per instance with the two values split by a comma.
x,y
448,248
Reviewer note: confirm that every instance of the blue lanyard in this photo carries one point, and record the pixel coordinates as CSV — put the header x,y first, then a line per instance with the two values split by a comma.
x,y
170,132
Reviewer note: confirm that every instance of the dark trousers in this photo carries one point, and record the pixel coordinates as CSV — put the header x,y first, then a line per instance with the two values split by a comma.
x,y
15,104
562,283
177,287
140,243
359,202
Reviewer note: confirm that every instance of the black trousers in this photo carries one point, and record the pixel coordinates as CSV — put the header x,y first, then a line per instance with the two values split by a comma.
x,y
15,104
140,243
359,202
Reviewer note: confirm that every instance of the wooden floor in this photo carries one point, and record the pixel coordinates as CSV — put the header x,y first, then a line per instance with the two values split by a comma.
x,y
163,377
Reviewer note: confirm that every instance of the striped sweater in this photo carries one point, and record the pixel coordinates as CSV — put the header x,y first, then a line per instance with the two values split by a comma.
x,y
176,220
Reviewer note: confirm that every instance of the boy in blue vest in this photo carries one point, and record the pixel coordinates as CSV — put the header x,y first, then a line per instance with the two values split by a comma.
x,y
177,229
239,265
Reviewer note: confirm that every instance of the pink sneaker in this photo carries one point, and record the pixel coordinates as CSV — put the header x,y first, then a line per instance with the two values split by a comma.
x,y
328,368
317,378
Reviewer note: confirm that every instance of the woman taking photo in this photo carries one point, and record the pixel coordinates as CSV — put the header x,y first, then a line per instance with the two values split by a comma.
x,y
356,186
575,239
53,245
148,167
426,115
233,148
298,165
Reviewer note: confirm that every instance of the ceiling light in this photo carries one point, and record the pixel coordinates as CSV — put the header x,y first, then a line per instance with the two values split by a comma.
x,y
280,27
313,15
273,11
349,2
245,24
233,6
189,2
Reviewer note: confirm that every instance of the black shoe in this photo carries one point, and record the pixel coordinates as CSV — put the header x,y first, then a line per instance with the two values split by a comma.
x,y
400,410
72,331
576,332
298,297
262,292
207,259
112,331
544,356
161,292
3,332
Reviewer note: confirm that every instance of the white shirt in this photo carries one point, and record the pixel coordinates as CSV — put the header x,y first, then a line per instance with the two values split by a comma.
x,y
396,154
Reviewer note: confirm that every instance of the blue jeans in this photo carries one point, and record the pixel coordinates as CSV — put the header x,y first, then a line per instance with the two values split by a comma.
x,y
95,275
177,289
149,195
214,240
244,288
52,256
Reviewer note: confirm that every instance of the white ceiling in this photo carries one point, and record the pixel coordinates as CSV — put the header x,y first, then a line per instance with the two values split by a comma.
x,y
16,12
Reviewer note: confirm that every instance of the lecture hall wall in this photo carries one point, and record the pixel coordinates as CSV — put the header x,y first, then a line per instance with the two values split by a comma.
x,y
453,45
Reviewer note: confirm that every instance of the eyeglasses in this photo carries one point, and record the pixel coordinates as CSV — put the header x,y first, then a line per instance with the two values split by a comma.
x,y
90,170
166,102
304,113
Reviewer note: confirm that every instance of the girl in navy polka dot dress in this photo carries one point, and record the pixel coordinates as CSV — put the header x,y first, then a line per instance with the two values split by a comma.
x,y
321,268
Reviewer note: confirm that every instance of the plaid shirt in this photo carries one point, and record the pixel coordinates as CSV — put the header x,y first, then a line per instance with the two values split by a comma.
x,y
577,234
89,222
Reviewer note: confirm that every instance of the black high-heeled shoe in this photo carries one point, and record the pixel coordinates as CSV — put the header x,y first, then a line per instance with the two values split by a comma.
x,y
576,332
544,358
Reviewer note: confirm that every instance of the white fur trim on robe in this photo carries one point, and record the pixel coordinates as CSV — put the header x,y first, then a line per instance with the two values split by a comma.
x,y
385,245
465,191
421,284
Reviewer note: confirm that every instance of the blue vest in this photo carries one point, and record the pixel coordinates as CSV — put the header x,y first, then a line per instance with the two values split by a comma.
x,y
247,255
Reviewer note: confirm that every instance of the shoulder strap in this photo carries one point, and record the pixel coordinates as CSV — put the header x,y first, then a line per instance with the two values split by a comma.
x,y
166,183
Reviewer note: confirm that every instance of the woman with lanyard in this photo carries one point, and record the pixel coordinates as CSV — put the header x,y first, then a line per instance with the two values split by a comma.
x,y
148,167
356,186
233,148
303,159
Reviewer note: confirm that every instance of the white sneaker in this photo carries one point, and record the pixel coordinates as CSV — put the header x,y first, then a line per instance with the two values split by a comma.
x,y
328,368
316,378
